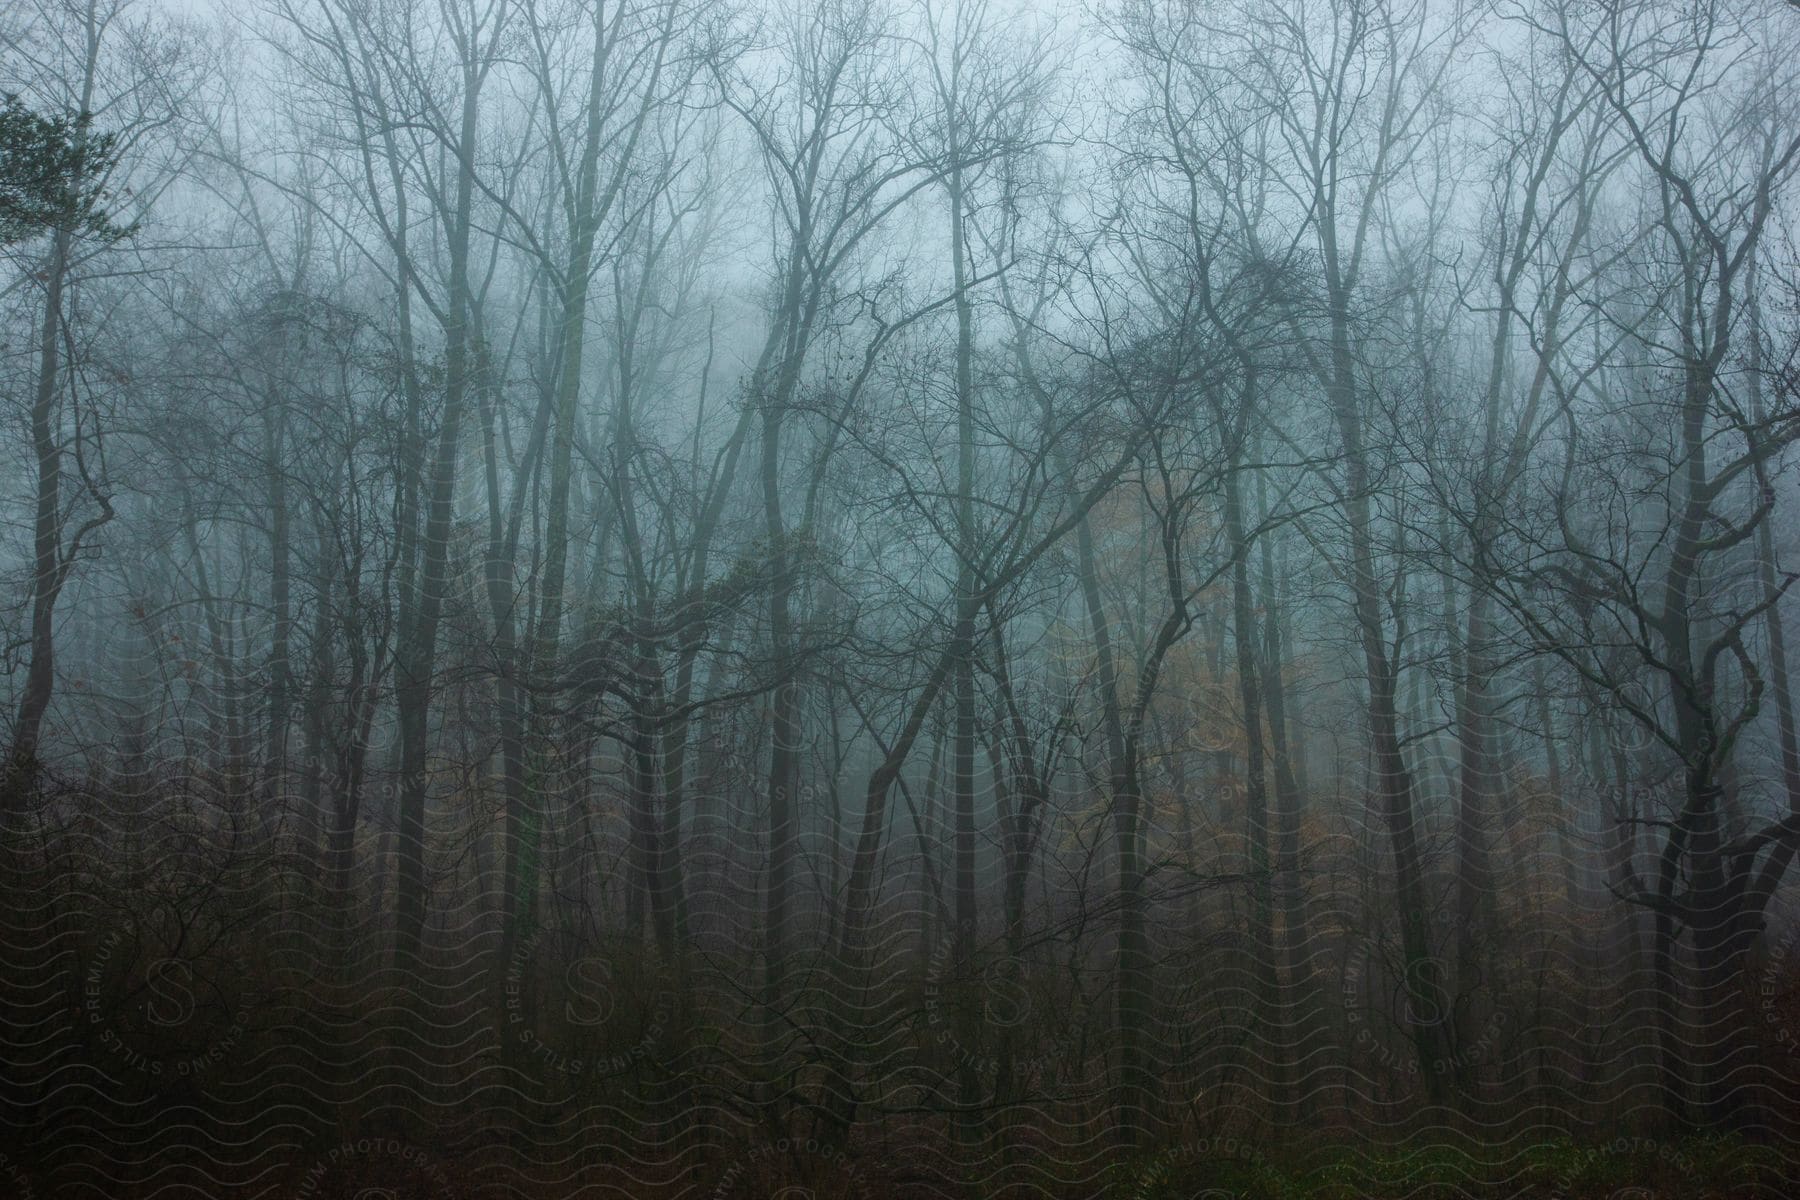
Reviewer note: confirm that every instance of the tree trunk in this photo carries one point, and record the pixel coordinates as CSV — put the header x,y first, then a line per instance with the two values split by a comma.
x,y
962,757
1261,938
1477,778
416,664
784,713
1131,1092
1427,1006
47,574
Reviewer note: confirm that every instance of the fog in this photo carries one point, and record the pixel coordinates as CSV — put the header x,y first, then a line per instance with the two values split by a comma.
x,y
816,598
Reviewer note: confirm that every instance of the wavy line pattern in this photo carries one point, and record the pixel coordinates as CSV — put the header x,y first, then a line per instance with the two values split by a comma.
x,y
191,1013
1217,646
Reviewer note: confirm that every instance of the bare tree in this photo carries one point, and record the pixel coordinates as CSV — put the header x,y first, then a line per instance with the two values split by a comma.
x,y
87,172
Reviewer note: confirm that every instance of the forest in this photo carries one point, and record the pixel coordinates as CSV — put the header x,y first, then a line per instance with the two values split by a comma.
x,y
809,599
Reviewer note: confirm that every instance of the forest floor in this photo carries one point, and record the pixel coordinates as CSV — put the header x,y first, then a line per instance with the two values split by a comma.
x,y
1629,1169
1626,1168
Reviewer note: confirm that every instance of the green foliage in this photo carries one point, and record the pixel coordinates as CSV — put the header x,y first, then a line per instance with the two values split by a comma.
x,y
1701,1166
51,170
1426,1171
